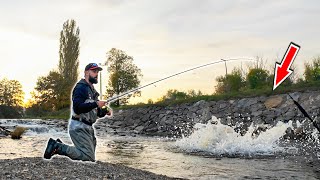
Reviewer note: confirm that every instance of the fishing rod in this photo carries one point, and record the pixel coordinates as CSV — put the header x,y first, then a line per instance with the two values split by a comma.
x,y
197,67
304,112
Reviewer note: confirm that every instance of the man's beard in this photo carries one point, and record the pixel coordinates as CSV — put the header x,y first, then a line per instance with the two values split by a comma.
x,y
93,80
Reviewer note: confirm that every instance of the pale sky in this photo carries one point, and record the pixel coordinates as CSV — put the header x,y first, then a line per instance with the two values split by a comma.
x,y
164,37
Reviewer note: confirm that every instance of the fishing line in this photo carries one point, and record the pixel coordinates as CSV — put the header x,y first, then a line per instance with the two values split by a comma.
x,y
197,67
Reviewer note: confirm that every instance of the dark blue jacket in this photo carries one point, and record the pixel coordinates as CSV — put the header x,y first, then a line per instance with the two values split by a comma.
x,y
84,102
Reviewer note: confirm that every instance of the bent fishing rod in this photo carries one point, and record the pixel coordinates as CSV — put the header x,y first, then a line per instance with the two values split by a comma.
x,y
197,67
304,112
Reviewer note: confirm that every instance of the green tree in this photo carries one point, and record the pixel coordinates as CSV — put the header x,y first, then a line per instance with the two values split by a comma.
x,y
123,75
230,83
48,91
11,99
257,78
11,93
312,70
68,60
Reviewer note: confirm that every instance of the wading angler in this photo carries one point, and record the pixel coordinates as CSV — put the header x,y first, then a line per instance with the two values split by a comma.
x,y
85,110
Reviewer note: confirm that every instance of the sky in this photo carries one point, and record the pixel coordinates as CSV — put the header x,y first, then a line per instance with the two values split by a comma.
x,y
164,37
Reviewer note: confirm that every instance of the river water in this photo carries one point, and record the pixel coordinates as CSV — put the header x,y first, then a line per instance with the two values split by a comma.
x,y
213,151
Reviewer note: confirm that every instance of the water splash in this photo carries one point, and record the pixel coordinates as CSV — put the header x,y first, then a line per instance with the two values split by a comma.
x,y
219,139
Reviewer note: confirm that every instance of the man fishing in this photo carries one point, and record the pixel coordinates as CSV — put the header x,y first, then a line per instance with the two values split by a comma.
x,y
85,110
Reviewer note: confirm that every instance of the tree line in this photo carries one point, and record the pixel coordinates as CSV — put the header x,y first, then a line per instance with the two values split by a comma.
x,y
53,91
258,77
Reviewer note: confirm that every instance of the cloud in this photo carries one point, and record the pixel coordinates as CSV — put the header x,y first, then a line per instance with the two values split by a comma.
x,y
163,36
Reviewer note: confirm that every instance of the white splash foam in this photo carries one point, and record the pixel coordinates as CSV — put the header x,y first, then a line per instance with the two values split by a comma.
x,y
219,139
33,127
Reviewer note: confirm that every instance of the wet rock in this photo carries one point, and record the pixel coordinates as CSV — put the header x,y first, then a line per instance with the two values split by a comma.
x,y
223,121
299,133
17,133
289,133
258,130
4,131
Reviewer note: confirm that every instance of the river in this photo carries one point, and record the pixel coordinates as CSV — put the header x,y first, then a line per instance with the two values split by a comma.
x,y
213,151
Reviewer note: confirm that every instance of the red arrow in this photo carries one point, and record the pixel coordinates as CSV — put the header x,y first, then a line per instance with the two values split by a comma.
x,y
282,71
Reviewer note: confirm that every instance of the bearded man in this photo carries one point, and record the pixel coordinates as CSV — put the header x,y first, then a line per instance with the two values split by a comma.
x,y
85,110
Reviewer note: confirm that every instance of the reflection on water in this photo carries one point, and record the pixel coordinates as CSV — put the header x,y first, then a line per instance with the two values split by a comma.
x,y
156,155
162,156
117,151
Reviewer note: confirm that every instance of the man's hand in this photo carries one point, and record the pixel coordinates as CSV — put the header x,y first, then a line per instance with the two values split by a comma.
x,y
102,112
109,112
101,104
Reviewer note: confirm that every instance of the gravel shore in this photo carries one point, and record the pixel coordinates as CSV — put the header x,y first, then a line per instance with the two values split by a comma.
x,y
63,168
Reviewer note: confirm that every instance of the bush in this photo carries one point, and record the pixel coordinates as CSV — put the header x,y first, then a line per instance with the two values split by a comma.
x,y
312,70
257,78
230,83
10,112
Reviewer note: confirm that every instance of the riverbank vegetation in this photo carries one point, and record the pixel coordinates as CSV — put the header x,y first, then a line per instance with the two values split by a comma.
x,y
257,81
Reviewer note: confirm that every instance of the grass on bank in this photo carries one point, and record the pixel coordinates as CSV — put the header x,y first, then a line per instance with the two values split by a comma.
x,y
312,86
63,114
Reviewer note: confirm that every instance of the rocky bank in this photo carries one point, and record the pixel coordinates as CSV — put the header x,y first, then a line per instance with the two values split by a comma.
x,y
177,120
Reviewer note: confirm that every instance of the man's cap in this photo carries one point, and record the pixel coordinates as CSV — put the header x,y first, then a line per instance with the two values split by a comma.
x,y
93,66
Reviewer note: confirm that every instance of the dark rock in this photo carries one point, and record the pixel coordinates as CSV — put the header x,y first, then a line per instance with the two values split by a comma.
x,y
138,129
290,114
257,113
4,131
257,107
222,106
258,130
251,102
117,123
289,133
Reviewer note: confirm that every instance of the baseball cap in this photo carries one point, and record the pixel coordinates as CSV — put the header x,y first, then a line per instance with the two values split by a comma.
x,y
92,66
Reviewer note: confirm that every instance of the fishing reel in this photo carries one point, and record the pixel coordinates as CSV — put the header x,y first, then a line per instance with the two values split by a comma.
x,y
105,111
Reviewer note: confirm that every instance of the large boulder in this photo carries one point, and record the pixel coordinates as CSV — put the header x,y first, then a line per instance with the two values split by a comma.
x,y
273,102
